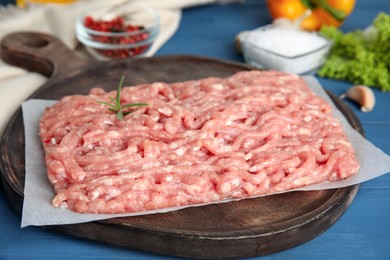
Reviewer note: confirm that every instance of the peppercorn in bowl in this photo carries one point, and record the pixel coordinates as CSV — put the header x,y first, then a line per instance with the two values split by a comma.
x,y
126,32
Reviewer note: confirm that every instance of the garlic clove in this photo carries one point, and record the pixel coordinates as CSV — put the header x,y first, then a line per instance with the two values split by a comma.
x,y
362,95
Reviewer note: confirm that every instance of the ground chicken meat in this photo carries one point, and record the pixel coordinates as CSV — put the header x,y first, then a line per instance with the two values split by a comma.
x,y
200,141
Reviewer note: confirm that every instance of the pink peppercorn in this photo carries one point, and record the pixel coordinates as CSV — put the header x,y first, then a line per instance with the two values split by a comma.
x,y
117,25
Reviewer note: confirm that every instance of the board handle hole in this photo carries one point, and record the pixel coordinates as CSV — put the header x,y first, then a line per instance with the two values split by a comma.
x,y
37,43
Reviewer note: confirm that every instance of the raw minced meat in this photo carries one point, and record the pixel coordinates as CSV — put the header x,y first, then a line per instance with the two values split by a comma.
x,y
199,141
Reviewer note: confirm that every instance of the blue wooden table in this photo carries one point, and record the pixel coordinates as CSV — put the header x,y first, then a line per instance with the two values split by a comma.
x,y
363,232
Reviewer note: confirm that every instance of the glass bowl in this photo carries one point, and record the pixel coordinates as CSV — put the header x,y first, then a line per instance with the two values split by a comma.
x,y
117,34
306,62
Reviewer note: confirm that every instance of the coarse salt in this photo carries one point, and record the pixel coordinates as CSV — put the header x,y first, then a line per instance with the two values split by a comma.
x,y
287,50
286,42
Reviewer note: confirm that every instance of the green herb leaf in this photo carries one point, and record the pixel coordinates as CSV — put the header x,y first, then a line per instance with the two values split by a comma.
x,y
107,104
135,105
119,115
118,91
116,106
361,57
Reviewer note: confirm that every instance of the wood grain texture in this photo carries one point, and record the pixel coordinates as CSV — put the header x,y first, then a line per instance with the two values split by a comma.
x,y
237,229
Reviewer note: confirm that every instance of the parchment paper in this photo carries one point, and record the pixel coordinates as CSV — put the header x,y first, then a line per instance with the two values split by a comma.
x,y
38,192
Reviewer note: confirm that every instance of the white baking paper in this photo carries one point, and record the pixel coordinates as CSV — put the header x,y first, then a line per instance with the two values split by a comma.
x,y
38,192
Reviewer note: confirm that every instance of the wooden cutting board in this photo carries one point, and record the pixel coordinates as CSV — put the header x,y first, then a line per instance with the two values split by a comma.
x,y
238,229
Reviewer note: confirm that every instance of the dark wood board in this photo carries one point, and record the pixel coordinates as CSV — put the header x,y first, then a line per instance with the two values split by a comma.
x,y
237,229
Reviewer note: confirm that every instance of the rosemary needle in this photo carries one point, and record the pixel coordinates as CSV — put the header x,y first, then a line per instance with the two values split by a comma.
x,y
116,106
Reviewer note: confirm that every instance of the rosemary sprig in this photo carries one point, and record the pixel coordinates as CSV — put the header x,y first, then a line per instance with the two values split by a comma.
x,y
116,106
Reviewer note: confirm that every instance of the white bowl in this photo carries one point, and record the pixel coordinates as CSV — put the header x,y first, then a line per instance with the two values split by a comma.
x,y
107,43
306,62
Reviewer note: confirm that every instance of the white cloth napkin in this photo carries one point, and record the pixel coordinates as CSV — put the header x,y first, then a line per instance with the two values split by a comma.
x,y
16,84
